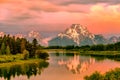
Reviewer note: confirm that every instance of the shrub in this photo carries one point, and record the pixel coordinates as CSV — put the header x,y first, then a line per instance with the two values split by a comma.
x,y
110,75
42,54
94,76
25,54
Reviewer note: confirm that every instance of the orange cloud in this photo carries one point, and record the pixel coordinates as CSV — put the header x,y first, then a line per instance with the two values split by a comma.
x,y
3,1
104,19
99,18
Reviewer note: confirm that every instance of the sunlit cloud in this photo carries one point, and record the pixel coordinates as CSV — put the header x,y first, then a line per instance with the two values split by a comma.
x,y
67,2
41,15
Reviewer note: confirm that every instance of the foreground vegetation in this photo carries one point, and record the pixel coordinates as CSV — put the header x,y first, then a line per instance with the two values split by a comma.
x,y
14,45
22,57
111,75
14,49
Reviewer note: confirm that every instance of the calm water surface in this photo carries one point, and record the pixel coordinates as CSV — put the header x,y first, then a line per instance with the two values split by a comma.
x,y
61,67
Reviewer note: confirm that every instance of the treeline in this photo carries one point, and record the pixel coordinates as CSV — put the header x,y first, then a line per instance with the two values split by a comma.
x,y
12,45
98,47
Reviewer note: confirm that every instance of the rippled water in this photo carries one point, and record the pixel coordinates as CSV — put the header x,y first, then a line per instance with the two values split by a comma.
x,y
62,66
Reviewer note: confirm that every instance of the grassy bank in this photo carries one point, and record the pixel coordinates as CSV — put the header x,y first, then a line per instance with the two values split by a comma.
x,y
16,59
10,58
102,54
98,54
20,62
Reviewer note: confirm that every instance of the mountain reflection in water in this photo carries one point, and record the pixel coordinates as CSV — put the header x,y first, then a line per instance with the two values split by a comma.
x,y
27,69
76,65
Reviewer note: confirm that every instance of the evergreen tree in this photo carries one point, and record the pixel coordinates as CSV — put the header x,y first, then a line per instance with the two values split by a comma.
x,y
18,45
29,48
8,50
23,43
3,48
25,54
35,43
0,52
34,47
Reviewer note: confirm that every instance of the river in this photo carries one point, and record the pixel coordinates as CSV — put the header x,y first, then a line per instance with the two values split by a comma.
x,y
62,66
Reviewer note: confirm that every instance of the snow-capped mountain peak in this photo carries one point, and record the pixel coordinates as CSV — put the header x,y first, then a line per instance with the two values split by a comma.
x,y
76,32
19,36
2,34
35,34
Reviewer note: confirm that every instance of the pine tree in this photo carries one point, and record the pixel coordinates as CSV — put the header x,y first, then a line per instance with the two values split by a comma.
x,y
34,47
8,50
34,42
25,54
3,48
23,43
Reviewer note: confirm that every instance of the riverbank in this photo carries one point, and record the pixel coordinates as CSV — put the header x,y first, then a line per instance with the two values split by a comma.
x,y
99,54
20,62
17,59
103,54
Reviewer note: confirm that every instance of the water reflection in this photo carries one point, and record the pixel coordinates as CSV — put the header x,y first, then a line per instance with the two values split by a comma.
x,y
27,69
77,65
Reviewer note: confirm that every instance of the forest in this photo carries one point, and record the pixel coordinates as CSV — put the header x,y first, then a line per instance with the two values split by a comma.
x,y
12,49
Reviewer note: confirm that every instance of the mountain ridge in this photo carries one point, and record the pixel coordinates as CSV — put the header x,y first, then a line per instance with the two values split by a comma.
x,y
76,32
78,35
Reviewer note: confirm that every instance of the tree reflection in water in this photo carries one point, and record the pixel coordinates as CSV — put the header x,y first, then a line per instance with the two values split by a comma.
x,y
27,69
76,65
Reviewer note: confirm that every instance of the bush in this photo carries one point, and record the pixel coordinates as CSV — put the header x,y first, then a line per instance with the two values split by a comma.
x,y
25,54
95,76
111,75
42,54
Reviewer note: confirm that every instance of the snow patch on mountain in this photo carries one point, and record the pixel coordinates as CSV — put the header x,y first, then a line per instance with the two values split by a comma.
x,y
77,33
2,34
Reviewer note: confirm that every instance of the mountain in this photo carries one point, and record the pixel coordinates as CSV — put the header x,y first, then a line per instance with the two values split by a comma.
x,y
100,39
29,36
2,34
77,35
114,39
34,34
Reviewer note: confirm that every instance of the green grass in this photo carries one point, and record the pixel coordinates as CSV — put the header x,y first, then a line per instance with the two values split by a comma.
x,y
115,55
20,62
101,53
10,58
14,58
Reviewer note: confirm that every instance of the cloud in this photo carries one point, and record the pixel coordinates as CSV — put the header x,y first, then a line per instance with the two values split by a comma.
x,y
86,2
57,15
48,6
23,17
45,41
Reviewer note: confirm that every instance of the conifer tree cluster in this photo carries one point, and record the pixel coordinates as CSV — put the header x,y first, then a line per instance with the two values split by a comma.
x,y
12,45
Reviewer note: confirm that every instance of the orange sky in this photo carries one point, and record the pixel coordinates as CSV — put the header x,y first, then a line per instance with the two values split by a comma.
x,y
100,17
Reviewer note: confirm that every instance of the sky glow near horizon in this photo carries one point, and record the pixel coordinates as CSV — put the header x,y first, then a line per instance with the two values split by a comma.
x,y
99,16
